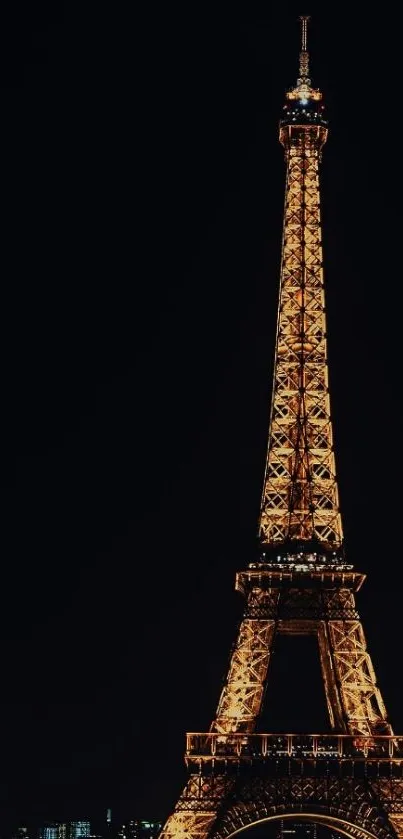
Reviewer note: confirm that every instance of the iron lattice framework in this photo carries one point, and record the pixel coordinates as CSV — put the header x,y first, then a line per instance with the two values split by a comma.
x,y
300,497
351,780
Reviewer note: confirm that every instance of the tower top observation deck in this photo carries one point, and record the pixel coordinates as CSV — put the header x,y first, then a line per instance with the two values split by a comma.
x,y
304,104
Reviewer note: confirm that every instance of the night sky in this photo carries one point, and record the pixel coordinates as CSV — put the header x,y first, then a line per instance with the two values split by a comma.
x,y
141,205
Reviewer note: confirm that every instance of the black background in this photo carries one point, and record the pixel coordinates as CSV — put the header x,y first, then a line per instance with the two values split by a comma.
x,y
141,208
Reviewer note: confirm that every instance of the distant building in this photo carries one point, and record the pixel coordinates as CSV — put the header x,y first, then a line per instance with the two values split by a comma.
x,y
303,830
49,831
139,829
149,830
297,830
20,833
55,830
77,829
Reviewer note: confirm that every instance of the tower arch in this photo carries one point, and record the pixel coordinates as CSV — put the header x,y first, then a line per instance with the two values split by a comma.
x,y
361,820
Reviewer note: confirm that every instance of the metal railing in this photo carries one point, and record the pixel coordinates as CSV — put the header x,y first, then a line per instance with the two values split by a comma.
x,y
306,746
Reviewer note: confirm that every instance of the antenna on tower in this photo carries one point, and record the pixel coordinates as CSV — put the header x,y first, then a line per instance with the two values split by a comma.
x,y
304,55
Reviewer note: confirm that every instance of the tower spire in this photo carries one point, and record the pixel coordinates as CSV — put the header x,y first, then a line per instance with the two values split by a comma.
x,y
304,55
300,506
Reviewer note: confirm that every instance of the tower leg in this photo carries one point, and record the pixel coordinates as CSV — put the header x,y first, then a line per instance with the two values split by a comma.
x,y
396,821
363,706
197,808
242,696
389,791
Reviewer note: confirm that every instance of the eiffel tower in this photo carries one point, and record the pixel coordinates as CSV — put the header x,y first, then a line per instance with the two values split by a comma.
x,y
300,582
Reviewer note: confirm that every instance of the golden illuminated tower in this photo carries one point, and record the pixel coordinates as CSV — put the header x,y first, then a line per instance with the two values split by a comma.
x,y
300,583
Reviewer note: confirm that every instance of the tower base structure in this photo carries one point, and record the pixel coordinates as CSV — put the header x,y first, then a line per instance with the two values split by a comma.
x,y
359,796
351,780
